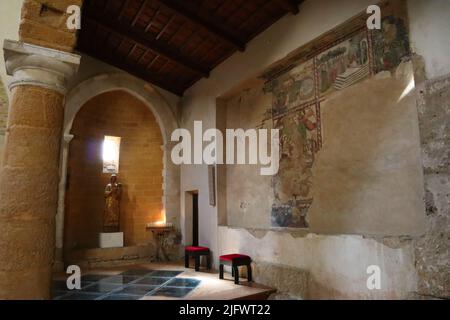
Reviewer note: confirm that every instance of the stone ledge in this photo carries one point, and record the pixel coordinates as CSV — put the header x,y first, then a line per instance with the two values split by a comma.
x,y
289,282
109,257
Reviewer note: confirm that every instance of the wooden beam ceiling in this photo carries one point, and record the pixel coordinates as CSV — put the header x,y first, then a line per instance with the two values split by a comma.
x,y
174,43
134,35
208,26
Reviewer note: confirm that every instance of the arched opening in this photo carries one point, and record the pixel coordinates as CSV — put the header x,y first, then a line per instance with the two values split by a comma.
x,y
115,113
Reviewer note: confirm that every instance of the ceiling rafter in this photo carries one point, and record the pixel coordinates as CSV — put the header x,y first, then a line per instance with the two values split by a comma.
x,y
133,35
174,43
208,26
138,14
288,5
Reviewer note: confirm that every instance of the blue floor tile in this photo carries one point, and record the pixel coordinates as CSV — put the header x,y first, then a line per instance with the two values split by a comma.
x,y
165,273
183,282
119,279
57,293
137,290
152,281
94,277
136,272
102,287
172,292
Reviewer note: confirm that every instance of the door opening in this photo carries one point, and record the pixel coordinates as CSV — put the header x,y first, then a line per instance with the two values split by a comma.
x,y
195,219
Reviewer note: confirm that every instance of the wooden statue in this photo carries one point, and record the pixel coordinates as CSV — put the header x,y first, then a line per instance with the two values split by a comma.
x,y
111,216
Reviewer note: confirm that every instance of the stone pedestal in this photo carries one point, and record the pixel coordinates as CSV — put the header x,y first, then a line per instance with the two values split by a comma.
x,y
29,168
110,240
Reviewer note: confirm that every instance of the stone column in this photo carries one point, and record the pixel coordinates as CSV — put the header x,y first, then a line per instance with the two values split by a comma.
x,y
29,170
59,263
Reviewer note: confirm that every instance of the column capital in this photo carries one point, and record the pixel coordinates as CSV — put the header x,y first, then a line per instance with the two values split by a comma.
x,y
39,66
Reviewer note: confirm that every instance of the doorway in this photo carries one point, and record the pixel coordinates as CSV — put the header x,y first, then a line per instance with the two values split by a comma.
x,y
195,219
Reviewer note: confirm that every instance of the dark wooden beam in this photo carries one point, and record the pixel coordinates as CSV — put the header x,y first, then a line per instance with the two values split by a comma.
x,y
208,26
123,8
161,32
138,14
288,5
150,23
166,84
137,36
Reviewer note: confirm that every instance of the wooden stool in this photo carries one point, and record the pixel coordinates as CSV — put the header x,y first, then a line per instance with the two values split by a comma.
x,y
235,261
197,252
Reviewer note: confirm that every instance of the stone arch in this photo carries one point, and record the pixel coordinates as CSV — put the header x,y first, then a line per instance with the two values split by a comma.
x,y
78,96
94,86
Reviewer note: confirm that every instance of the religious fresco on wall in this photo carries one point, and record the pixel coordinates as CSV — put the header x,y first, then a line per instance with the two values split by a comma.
x,y
299,132
292,89
344,64
297,89
390,44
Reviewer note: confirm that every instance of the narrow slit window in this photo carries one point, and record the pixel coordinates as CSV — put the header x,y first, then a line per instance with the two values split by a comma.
x,y
111,154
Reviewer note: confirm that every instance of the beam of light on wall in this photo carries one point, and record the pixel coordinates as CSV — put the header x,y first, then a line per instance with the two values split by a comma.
x,y
411,85
111,154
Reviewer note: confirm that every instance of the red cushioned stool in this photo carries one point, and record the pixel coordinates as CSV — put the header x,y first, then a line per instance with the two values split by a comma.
x,y
235,261
197,252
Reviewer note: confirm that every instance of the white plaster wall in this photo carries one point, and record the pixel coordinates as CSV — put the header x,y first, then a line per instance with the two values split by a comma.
x,y
337,265
279,40
429,30
338,260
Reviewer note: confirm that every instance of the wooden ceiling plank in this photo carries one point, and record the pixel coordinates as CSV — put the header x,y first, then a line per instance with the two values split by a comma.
x,y
140,11
200,22
130,52
161,32
150,23
232,13
123,8
136,36
200,45
254,13
142,56
186,41
152,62
289,6
169,41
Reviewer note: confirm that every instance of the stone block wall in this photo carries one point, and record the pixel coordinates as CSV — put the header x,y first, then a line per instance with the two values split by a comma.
x,y
44,24
432,250
116,113
291,283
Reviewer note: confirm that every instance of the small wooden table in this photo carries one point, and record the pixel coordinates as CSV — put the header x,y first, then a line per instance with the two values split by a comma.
x,y
160,234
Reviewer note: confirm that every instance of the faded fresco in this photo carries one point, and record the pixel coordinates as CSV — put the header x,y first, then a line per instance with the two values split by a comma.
x,y
343,65
292,89
292,185
297,89
390,44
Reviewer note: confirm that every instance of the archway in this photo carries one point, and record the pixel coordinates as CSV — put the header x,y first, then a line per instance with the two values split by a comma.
x,y
164,116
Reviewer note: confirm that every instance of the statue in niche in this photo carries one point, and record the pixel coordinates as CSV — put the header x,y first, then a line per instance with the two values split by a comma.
x,y
111,215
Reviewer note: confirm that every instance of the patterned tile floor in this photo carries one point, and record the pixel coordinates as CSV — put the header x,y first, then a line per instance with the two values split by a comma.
x,y
129,285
